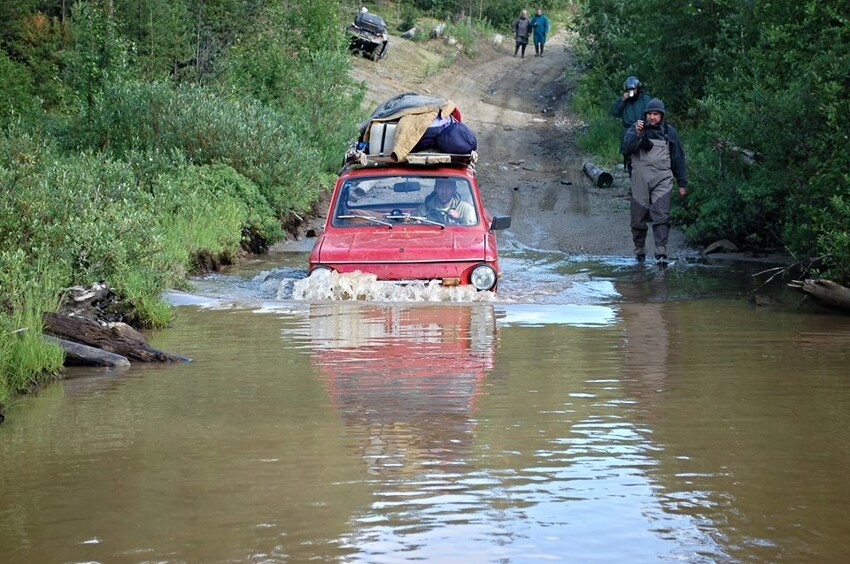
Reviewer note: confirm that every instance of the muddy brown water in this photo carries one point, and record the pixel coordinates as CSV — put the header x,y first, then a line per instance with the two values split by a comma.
x,y
595,411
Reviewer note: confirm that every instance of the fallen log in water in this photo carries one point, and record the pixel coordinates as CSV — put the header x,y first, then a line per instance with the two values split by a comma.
x,y
117,338
79,354
826,292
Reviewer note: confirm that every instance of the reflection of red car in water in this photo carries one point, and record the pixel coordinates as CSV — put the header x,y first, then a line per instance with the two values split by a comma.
x,y
408,376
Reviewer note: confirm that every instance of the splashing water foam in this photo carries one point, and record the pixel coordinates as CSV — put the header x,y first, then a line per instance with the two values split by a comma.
x,y
324,285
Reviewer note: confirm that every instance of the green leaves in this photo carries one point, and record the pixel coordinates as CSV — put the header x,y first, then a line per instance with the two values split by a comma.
x,y
768,77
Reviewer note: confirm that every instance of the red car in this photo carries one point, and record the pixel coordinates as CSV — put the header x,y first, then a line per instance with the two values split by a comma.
x,y
407,222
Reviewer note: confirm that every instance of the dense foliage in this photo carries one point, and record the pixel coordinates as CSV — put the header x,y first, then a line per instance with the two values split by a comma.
x,y
138,136
772,78
500,14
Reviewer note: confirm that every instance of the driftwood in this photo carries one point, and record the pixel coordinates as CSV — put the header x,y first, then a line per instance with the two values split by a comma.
x,y
79,354
826,292
89,327
117,338
95,301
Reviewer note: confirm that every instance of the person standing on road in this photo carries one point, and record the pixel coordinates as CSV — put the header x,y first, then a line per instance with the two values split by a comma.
x,y
522,28
630,108
657,158
540,25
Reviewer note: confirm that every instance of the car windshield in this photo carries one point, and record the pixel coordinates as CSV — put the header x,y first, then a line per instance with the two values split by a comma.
x,y
405,200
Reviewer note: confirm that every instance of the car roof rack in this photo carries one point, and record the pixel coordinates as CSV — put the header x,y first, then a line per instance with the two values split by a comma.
x,y
358,159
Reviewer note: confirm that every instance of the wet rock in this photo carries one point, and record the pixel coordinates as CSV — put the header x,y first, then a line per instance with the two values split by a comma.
x,y
721,246
764,301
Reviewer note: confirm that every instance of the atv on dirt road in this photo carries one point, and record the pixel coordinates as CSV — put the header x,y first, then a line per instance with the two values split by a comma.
x,y
369,35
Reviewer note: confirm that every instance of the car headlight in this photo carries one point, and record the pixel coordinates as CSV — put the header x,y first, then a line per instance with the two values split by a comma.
x,y
321,272
483,277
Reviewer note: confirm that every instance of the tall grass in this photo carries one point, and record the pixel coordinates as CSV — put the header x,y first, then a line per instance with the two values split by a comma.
x,y
28,291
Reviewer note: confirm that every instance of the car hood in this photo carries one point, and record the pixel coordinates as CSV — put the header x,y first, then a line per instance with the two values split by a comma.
x,y
399,245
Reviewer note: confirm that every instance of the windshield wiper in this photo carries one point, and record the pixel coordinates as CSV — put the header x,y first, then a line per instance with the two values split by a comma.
x,y
428,221
367,218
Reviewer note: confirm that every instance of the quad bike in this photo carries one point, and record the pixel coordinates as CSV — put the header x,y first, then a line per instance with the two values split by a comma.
x,y
369,35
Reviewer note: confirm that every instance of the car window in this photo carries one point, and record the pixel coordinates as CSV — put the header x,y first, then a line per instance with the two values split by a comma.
x,y
403,199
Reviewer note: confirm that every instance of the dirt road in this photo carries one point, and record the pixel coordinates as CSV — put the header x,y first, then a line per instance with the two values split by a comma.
x,y
528,166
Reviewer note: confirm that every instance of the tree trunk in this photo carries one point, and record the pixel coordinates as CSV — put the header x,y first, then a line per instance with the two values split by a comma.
x,y
826,292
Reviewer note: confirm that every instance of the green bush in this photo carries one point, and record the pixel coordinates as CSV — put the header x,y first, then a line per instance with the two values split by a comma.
x,y
134,182
189,197
16,96
98,219
407,15
465,35
254,140
734,78
834,237
602,135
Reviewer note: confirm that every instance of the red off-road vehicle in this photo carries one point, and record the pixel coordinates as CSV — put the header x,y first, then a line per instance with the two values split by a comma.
x,y
379,222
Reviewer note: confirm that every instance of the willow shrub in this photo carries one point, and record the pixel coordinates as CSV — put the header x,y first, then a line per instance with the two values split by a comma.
x,y
308,88
99,219
255,141
188,199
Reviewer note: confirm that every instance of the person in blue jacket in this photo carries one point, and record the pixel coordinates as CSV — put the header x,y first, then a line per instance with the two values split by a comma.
x,y
657,158
540,25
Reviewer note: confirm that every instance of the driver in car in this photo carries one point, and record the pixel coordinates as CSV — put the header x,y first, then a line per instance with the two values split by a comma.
x,y
444,205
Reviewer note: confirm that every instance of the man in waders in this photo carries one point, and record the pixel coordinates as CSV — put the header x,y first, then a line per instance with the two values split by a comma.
x,y
657,158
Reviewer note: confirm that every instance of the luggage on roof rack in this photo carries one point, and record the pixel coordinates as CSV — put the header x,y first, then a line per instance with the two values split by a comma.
x,y
357,158
413,124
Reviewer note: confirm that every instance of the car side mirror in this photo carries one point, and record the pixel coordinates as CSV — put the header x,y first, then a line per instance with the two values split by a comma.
x,y
500,222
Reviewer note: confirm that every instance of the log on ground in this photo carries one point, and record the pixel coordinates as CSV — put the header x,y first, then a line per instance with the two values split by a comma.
x,y
601,179
117,338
